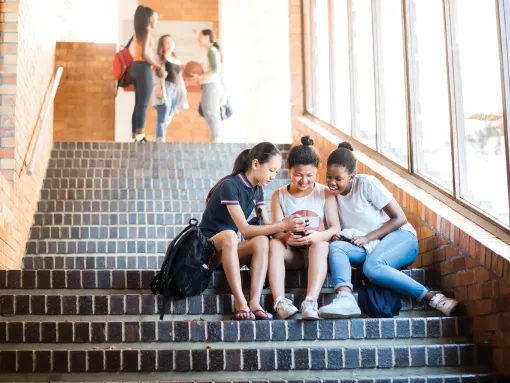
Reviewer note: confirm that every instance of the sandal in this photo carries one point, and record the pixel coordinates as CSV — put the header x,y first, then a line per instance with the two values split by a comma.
x,y
258,317
237,312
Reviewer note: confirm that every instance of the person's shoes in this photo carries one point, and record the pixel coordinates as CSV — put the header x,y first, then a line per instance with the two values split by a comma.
x,y
284,308
444,304
343,306
309,309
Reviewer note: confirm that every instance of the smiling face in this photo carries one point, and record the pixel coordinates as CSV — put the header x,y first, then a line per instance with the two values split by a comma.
x,y
265,173
303,176
338,179
168,45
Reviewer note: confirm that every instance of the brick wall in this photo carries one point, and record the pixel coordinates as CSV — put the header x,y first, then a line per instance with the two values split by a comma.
x,y
27,68
463,259
85,102
188,126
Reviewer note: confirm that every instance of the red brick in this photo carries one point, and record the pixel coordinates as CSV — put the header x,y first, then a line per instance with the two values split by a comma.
x,y
466,277
482,275
459,264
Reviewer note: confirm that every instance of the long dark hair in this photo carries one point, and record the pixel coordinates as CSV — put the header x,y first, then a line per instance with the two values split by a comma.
x,y
304,154
262,152
344,157
142,20
209,33
161,47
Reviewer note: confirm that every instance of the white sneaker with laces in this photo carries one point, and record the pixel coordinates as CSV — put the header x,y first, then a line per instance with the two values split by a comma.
x,y
284,308
343,306
309,309
444,304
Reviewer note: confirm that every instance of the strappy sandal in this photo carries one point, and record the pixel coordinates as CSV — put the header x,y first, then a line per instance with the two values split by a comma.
x,y
258,317
237,312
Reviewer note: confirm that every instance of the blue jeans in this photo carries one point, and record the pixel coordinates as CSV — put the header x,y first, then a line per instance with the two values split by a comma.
x,y
396,250
166,110
141,74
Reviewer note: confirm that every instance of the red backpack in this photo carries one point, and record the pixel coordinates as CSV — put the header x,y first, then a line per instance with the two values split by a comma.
x,y
121,65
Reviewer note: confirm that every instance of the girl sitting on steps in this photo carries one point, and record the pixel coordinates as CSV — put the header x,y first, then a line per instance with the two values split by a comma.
x,y
228,205
309,249
365,205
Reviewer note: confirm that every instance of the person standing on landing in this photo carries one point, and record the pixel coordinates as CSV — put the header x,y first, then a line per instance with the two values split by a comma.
x,y
166,107
211,84
141,71
314,202
366,205
228,205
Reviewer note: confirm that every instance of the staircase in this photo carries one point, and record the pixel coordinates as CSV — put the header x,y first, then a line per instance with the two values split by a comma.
x,y
81,309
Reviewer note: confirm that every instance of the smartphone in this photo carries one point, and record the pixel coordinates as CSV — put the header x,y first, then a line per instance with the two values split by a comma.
x,y
300,233
342,238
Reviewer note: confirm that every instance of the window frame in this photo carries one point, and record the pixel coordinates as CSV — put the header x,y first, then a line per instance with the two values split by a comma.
x,y
454,86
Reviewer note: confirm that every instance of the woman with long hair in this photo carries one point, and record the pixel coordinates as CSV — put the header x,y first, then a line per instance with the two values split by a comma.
x,y
210,84
141,69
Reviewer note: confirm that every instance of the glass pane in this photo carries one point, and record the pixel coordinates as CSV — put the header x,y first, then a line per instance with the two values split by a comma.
x,y
363,73
341,112
431,118
391,82
480,134
320,61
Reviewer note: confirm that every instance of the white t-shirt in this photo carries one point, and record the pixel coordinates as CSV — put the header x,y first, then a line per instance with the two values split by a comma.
x,y
362,208
310,207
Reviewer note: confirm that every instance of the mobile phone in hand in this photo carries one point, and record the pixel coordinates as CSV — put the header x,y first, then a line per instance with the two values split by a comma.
x,y
300,233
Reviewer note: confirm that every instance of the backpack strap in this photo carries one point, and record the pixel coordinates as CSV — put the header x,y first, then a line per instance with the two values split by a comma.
x,y
129,42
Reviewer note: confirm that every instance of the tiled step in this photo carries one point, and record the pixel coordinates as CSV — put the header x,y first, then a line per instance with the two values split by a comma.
x,y
152,147
136,279
170,182
232,359
123,206
450,377
110,302
153,330
61,220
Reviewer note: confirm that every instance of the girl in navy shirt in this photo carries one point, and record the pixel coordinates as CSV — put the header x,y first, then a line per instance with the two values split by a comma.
x,y
228,206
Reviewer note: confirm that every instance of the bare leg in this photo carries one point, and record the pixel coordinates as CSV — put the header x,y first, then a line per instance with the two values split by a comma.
x,y
226,243
317,268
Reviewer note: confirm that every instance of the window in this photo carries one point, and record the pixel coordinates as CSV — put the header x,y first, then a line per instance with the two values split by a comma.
x,y
429,81
420,82
391,85
363,73
480,133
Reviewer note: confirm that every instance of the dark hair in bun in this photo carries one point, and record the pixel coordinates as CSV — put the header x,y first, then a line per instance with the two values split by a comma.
x,y
304,154
344,157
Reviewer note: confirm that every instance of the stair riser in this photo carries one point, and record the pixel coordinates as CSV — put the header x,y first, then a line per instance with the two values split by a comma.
x,y
134,279
110,302
266,359
232,331
124,206
112,219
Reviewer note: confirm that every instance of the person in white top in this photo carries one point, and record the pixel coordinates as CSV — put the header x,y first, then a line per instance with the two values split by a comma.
x,y
366,205
304,198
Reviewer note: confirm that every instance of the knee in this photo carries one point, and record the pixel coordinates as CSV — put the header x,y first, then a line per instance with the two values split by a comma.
x,y
229,238
319,251
261,243
276,248
371,269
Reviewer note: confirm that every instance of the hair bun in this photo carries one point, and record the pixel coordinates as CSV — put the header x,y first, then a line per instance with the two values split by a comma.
x,y
307,141
346,145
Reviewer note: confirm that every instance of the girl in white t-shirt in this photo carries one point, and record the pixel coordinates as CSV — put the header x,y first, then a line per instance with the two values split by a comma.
x,y
366,206
295,250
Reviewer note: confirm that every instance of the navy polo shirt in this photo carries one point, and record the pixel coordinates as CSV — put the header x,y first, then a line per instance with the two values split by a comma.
x,y
234,190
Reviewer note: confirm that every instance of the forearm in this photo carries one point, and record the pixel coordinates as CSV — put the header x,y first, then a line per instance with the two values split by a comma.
x,y
390,226
326,235
251,231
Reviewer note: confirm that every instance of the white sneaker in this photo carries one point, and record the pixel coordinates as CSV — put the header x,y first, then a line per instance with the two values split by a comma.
x,y
284,308
309,310
343,306
444,304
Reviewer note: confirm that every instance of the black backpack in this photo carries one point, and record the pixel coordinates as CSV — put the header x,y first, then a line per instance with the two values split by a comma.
x,y
185,271
377,301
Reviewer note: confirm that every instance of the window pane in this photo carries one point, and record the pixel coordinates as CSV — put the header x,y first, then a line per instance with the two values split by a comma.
x,y
391,82
431,117
320,60
483,176
363,73
341,111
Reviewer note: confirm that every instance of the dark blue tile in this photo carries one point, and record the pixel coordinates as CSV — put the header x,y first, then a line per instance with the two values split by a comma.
x,y
267,359
181,331
279,332
326,329
182,360
373,328
301,359
310,330
318,356
341,329
263,330
352,358
368,358
199,360
433,327
418,327
197,331
388,328
401,356
214,331
230,331
449,327
216,360
434,356
451,355
357,329
284,359
385,357
417,356
294,330
233,358
250,360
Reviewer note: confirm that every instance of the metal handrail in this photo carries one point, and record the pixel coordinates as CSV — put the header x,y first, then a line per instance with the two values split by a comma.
x,y
54,86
